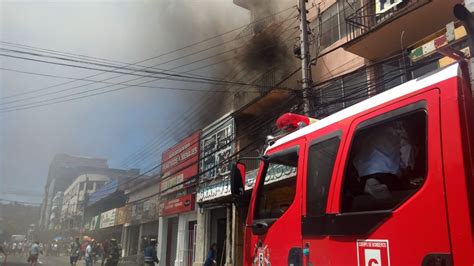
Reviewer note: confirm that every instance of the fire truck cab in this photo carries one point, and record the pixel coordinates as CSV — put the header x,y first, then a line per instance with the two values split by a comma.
x,y
387,181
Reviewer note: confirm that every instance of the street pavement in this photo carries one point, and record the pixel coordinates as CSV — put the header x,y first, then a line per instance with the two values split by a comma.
x,y
46,261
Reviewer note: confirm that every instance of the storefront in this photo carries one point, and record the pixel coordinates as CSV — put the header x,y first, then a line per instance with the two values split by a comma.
x,y
141,222
176,238
215,213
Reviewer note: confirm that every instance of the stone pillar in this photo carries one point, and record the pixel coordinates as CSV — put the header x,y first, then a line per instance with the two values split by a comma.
x,y
201,241
124,241
162,233
181,243
238,239
229,237
140,243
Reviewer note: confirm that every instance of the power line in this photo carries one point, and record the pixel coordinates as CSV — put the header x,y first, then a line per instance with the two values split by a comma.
x,y
161,55
262,49
204,104
112,83
23,107
230,88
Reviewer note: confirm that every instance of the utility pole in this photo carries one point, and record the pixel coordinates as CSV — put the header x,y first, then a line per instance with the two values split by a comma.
x,y
305,59
84,205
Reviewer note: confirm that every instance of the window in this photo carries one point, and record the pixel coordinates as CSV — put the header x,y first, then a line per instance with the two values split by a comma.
x,y
387,161
393,74
320,166
333,21
330,26
278,189
343,92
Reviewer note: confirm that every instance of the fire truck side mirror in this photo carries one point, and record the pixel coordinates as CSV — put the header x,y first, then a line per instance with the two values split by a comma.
x,y
237,179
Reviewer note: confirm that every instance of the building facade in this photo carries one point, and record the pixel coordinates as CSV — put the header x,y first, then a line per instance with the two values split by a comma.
x,y
178,220
63,170
75,199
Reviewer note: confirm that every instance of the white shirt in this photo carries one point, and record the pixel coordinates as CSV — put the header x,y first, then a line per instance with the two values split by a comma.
x,y
88,251
383,150
35,249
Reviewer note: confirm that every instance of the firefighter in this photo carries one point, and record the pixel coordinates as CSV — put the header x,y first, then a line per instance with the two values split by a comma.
x,y
150,256
115,253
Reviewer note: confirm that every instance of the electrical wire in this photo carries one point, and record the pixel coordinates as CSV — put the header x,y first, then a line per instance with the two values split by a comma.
x,y
23,107
173,51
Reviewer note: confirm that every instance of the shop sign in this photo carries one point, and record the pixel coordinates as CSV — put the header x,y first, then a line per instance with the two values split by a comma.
x,y
216,148
123,215
169,185
95,223
107,219
450,34
275,173
182,155
150,210
178,205
137,213
214,190
382,6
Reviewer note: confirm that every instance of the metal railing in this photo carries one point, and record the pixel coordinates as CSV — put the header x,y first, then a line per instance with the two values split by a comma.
x,y
266,81
255,28
365,19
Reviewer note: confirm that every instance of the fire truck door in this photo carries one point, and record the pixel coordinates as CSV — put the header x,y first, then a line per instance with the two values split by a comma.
x,y
322,157
389,203
275,237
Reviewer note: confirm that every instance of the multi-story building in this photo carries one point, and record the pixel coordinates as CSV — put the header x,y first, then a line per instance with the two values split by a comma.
x,y
62,172
75,199
54,218
349,64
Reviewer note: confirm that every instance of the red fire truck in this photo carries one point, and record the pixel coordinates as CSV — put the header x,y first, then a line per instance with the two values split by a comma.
x,y
388,181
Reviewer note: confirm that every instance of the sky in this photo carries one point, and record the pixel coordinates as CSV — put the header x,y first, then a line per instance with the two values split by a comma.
x,y
112,125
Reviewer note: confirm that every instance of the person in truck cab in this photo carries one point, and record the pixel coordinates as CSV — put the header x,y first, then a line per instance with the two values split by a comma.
x,y
384,159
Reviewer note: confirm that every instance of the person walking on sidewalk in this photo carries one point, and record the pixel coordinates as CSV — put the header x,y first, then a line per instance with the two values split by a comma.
x,y
211,259
34,253
150,253
75,252
115,253
88,254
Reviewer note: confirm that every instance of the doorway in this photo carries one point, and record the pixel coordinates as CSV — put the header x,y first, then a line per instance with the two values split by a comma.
x,y
171,241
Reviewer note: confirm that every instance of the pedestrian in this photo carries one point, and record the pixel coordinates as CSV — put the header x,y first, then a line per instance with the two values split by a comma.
x,y
2,251
150,256
75,250
105,251
211,256
34,253
88,254
14,248
115,253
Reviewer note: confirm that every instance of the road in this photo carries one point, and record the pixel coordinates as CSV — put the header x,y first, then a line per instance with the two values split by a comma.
x,y
46,261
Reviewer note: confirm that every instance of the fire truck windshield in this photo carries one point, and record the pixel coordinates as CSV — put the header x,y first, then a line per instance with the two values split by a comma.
x,y
277,187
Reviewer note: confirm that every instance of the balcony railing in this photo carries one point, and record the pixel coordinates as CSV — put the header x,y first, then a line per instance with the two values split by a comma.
x,y
365,19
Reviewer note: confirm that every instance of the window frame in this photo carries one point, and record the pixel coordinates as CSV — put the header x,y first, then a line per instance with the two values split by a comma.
x,y
363,222
255,217
341,6
336,134
315,224
387,117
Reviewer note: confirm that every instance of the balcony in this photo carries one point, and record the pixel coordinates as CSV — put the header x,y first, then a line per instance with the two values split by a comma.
x,y
399,27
